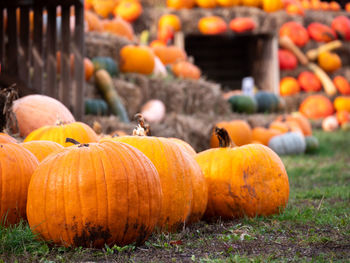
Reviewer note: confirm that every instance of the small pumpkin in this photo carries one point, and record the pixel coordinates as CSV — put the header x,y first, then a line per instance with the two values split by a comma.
x,y
103,8
330,124
42,149
321,33
341,25
242,24
253,3
243,181
287,60
206,3
239,131
170,20
347,7
316,107
342,103
243,104
267,101
35,111
303,122
343,116
129,10
212,25
186,70
96,107
180,4
138,59
309,82
329,61
272,5
296,32
295,9
280,126
263,135
119,27
228,3
334,6
312,144
288,143
58,133
342,85
17,166
108,179
289,86
153,111
169,54
93,21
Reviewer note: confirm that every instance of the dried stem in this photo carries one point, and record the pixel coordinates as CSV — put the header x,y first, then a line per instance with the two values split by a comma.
x,y
223,137
8,95
142,128
71,140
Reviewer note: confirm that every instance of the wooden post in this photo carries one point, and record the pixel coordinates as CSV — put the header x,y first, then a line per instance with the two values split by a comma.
x,y
51,89
23,51
2,38
37,50
12,58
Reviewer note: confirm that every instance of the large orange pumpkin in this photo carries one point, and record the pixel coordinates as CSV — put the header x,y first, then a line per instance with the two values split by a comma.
x,y
187,147
296,32
329,61
263,135
316,107
58,133
185,69
183,185
308,81
119,27
17,166
35,111
180,4
169,54
41,149
139,59
5,138
212,25
129,10
239,130
104,193
289,86
250,180
342,103
342,85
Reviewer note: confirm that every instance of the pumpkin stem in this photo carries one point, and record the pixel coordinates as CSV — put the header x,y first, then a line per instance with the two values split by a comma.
x,y
7,117
71,140
223,137
142,128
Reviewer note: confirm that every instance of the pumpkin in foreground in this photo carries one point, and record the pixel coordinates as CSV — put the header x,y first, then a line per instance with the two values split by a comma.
x,y
94,194
17,166
78,131
183,184
250,180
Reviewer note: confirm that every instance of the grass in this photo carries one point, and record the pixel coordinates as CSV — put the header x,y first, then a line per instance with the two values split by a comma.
x,y
315,226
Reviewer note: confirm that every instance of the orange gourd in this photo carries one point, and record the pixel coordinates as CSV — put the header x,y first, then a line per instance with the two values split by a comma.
x,y
58,133
119,27
342,103
308,81
180,4
334,6
41,149
170,20
347,7
17,166
243,181
342,85
228,3
280,126
295,9
104,193
206,3
242,24
272,5
329,61
321,33
93,21
296,32
239,131
212,25
316,107
138,59
341,25
104,7
129,10
263,135
289,86
185,69
170,54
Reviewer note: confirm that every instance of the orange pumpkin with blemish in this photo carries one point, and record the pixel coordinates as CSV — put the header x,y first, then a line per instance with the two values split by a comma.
x,y
316,107
321,33
296,32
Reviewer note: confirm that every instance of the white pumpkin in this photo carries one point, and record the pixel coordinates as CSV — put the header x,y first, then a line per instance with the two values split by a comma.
x,y
330,124
288,143
153,111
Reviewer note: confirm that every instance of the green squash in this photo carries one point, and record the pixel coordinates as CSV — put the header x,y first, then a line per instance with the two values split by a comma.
x,y
105,85
243,104
312,144
267,101
96,107
107,63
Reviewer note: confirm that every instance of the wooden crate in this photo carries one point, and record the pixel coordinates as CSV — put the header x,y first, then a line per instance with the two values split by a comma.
x,y
29,41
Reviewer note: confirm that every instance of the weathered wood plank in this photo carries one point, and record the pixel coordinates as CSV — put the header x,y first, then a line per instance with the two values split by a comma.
x,y
2,37
12,58
23,50
51,87
37,50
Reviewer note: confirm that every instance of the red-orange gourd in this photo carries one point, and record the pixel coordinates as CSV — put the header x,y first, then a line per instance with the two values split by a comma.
x,y
287,60
243,181
212,25
316,107
170,54
41,149
96,185
186,70
342,85
296,32
119,27
17,166
321,33
329,61
341,25
129,10
308,81
180,4
242,24
239,131
289,86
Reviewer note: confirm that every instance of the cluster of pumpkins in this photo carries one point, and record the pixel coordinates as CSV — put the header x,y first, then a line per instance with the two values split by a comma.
x,y
328,60
298,7
289,134
78,189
